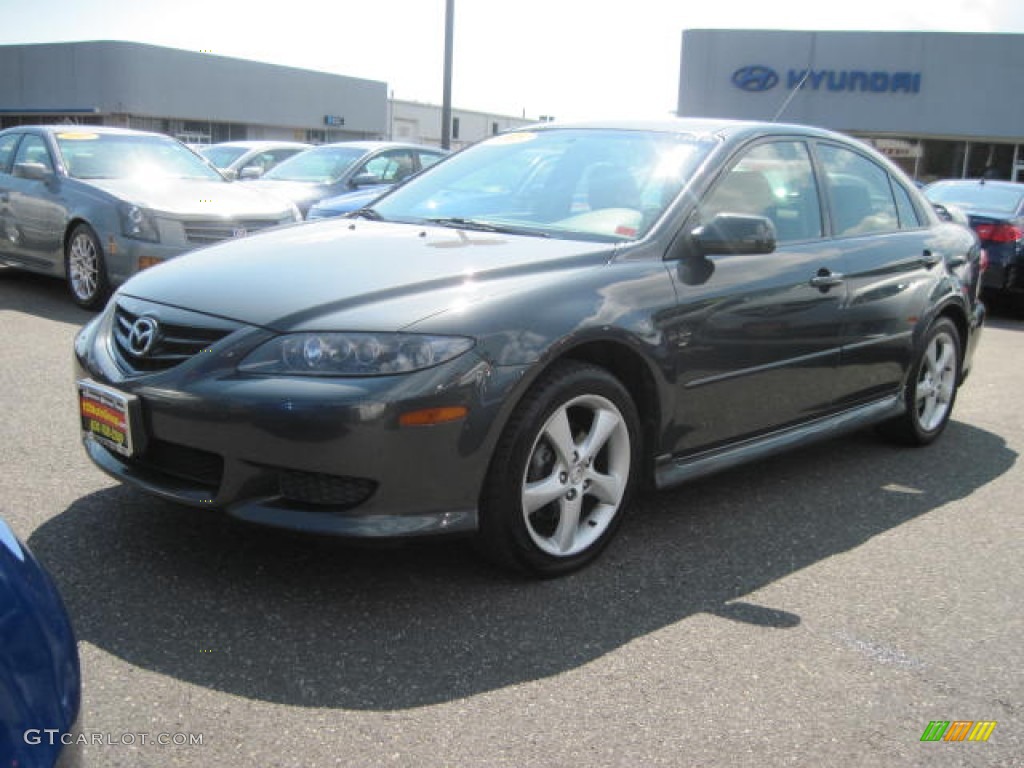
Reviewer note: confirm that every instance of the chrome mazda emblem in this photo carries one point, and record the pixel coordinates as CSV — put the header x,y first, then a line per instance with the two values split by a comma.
x,y
142,336
755,78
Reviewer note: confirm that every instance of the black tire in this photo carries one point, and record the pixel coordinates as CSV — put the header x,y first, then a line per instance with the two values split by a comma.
x,y
545,445
931,387
86,268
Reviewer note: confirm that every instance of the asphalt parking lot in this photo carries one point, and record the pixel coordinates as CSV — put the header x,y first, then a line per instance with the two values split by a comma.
x,y
819,608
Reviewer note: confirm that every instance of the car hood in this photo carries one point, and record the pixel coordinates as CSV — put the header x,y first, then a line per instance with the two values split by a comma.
x,y
194,197
302,193
343,274
351,201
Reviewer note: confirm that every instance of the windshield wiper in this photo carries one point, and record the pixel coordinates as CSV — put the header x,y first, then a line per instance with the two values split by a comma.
x,y
486,226
366,213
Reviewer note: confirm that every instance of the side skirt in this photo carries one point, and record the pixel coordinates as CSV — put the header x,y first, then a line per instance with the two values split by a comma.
x,y
672,471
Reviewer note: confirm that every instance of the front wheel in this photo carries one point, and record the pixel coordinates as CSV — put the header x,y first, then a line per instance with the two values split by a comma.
x,y
932,387
562,473
86,269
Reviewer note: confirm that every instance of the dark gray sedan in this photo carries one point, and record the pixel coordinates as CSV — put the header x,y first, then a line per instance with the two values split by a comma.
x,y
514,341
96,205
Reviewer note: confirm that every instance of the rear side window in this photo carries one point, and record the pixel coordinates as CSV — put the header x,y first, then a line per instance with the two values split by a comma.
x,y
904,207
7,144
860,197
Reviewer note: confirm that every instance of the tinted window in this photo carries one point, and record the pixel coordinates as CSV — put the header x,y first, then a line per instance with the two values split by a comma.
x,y
905,208
33,150
390,167
973,195
7,144
427,159
860,197
774,180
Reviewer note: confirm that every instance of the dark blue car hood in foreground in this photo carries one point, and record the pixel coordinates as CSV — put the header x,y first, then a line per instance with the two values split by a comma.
x,y
346,274
40,680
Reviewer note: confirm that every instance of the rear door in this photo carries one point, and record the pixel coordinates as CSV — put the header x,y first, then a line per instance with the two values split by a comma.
x,y
889,261
8,235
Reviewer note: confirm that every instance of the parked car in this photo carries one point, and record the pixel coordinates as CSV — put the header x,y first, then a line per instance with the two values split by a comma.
x,y
347,202
40,678
96,205
249,159
995,210
513,342
349,166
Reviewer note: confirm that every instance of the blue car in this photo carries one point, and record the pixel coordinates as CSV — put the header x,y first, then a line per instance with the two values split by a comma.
x,y
40,679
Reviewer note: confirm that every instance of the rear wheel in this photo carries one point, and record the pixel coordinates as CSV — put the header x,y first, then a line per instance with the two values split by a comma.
x,y
932,388
86,268
562,473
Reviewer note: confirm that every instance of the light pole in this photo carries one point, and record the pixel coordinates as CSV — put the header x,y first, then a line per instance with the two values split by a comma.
x,y
446,104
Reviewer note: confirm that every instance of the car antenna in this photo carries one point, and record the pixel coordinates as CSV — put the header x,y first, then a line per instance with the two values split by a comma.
x,y
798,86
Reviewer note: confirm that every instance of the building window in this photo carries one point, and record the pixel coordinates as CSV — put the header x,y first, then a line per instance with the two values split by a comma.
x,y
494,129
455,127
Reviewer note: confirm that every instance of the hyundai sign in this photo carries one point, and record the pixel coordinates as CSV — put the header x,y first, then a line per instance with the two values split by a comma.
x,y
757,77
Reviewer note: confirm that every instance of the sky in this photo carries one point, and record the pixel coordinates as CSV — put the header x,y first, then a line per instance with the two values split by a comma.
x,y
570,59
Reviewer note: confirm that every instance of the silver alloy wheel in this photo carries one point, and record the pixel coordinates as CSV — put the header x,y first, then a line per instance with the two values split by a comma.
x,y
83,266
576,476
936,382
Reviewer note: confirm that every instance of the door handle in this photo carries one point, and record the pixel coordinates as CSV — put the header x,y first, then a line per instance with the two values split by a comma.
x,y
928,259
826,279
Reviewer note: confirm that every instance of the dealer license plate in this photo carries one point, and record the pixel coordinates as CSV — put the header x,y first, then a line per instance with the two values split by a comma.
x,y
107,416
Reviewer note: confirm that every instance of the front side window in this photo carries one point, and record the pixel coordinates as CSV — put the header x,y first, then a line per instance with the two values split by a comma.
x,y
7,144
859,194
390,167
33,150
775,180
595,184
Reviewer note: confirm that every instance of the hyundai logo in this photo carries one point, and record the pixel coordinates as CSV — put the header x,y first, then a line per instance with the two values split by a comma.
x,y
755,78
142,336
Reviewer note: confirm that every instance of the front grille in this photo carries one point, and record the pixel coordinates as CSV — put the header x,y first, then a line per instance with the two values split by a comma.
x,y
216,230
181,462
327,490
173,344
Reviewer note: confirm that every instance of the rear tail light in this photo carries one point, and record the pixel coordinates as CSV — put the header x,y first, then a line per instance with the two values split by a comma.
x,y
999,233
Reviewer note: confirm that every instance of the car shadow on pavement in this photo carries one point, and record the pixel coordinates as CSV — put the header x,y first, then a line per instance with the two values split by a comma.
x,y
319,622
41,296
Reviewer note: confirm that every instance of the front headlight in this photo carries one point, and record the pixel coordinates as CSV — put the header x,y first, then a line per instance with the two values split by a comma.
x,y
137,223
352,354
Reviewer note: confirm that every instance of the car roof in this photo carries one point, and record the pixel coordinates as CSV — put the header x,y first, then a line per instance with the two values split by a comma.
x,y
253,144
84,129
722,128
373,145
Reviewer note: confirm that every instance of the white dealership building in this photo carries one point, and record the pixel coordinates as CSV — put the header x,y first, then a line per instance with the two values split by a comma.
x,y
940,104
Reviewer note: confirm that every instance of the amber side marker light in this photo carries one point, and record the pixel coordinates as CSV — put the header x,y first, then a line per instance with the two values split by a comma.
x,y
431,416
145,262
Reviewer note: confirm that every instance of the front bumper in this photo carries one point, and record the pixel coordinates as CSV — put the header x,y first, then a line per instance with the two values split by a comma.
x,y
318,454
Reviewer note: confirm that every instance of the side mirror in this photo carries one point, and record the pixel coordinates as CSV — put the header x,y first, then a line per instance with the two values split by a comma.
x,y
33,171
251,172
734,233
365,180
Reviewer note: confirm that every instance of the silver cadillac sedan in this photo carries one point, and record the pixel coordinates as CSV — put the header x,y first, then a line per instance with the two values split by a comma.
x,y
96,205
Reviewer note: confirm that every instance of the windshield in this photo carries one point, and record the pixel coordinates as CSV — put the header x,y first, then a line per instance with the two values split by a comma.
x,y
976,196
572,183
222,157
321,165
125,156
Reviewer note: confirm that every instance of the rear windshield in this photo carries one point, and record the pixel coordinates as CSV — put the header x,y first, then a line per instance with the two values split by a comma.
x,y
975,196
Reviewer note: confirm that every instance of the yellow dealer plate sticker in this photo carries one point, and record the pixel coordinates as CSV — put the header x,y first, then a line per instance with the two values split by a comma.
x,y
106,416
519,137
78,136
